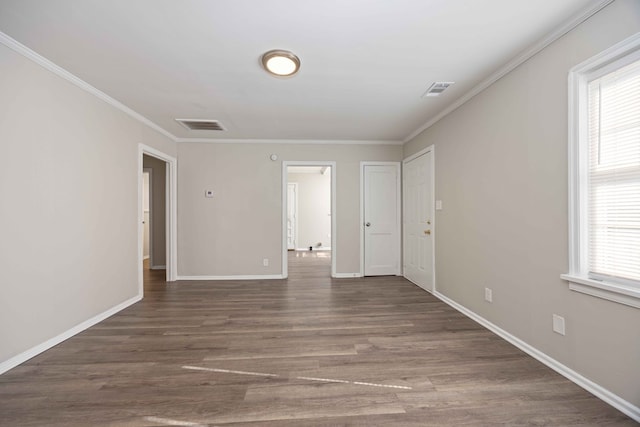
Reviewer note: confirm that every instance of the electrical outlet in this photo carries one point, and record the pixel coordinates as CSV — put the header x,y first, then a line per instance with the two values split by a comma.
x,y
488,295
265,262
558,324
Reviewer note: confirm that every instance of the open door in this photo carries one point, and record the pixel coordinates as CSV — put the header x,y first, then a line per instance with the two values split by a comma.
x,y
419,221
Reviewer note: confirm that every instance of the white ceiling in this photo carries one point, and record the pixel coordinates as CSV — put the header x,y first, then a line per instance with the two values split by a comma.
x,y
365,63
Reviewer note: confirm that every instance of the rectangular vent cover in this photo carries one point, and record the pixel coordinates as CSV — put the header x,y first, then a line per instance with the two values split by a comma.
x,y
195,124
437,88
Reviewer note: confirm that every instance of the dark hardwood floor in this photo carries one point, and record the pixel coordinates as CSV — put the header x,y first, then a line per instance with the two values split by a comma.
x,y
307,351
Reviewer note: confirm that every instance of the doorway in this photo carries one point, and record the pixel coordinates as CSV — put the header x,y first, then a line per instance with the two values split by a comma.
x,y
308,212
292,216
158,198
380,218
146,215
419,221
154,211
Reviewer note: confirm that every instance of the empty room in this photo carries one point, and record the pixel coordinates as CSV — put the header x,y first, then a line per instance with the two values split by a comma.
x,y
319,213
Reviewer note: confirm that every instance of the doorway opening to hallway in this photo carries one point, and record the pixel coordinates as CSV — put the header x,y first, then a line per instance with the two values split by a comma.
x,y
154,209
157,226
308,217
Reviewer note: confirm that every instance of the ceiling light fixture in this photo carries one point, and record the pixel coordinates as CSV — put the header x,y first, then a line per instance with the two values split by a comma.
x,y
281,63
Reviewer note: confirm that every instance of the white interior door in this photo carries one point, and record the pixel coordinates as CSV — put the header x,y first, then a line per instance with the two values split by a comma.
x,y
418,221
292,215
381,214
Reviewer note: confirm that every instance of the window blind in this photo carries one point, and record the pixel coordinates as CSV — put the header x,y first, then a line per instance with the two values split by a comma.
x,y
614,175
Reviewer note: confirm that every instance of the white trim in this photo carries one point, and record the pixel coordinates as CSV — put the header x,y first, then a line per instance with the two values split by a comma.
x,y
334,235
574,109
347,275
40,348
238,277
291,141
418,285
61,72
578,180
432,166
418,154
611,54
171,218
398,212
315,249
146,257
609,291
513,64
597,390
158,267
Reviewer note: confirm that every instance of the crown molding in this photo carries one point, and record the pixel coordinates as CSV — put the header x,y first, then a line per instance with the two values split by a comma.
x,y
291,141
61,72
563,29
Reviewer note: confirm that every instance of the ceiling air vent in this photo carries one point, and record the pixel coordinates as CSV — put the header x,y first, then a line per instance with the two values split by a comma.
x,y
437,88
195,124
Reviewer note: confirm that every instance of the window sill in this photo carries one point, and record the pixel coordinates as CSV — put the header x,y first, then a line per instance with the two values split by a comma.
x,y
609,291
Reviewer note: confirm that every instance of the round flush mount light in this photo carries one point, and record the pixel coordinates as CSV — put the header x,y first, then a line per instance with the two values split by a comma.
x,y
281,63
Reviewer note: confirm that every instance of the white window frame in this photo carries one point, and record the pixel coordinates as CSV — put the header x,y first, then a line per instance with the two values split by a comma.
x,y
617,56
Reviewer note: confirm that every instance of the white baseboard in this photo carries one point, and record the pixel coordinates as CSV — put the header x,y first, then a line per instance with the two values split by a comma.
x,y
246,277
315,248
158,267
146,257
346,275
34,351
597,390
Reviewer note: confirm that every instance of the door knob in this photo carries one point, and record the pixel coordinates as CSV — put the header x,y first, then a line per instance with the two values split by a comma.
x,y
427,231
368,224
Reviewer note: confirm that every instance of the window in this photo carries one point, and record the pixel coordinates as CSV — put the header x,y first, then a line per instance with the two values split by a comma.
x,y
604,174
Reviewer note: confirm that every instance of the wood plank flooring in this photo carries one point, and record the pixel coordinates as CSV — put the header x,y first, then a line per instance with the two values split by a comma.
x,y
307,351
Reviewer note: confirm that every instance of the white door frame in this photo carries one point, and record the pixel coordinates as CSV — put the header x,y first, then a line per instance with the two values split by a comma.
x,y
171,212
334,236
398,207
434,228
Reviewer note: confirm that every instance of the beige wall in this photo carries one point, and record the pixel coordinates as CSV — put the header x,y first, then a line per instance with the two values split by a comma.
x,y
231,233
501,173
314,208
158,210
69,210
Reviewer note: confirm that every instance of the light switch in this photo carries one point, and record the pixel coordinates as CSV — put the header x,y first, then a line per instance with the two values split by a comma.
x,y
438,205
208,194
